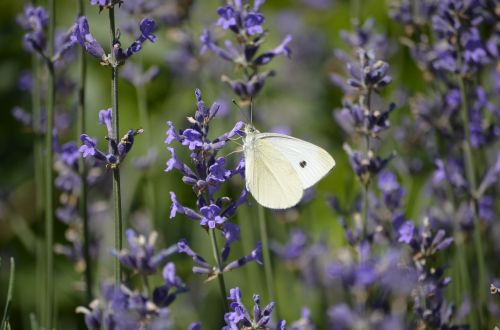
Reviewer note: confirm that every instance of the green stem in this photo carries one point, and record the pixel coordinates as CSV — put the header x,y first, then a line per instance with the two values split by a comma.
x,y
82,169
33,322
470,173
116,132
8,301
142,104
463,282
355,11
220,275
49,175
364,211
366,185
264,237
37,133
146,284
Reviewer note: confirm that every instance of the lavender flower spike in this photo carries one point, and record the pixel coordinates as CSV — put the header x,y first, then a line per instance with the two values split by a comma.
x,y
240,318
81,33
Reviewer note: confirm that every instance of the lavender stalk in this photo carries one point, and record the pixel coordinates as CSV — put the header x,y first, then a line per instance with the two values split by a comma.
x,y
268,270
49,175
220,276
82,169
38,141
116,170
142,104
470,173
5,319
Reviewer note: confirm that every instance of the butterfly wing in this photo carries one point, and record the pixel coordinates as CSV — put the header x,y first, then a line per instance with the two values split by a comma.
x,y
310,162
270,177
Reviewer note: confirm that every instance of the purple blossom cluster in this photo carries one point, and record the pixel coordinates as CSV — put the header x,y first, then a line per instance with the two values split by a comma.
x,y
81,34
123,308
206,176
118,149
69,182
246,23
240,318
399,275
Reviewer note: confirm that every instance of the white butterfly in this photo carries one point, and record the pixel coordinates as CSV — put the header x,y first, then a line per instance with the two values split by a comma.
x,y
279,167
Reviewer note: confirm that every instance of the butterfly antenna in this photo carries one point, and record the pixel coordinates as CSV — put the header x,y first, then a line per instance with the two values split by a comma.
x,y
234,152
241,110
251,111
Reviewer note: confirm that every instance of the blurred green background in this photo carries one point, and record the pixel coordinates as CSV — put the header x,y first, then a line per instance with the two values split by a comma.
x,y
301,97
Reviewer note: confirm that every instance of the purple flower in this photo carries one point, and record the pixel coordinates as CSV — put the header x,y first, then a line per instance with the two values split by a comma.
x,y
406,232
391,190
199,260
255,255
305,322
132,74
239,317
208,172
228,17
164,295
177,208
140,255
147,27
365,168
231,233
211,216
192,139
282,49
106,118
246,24
118,149
253,23
34,20
81,33
89,148
121,308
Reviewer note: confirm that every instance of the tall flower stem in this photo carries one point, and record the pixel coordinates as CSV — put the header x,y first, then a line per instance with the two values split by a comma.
x,y
49,175
5,319
264,237
366,185
82,169
470,173
355,11
116,131
37,133
220,276
142,104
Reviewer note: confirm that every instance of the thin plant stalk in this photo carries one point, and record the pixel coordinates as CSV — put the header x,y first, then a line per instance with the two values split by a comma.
x,y
38,146
355,11
5,319
220,275
33,322
37,133
463,282
82,168
49,175
264,237
366,185
116,132
142,105
470,173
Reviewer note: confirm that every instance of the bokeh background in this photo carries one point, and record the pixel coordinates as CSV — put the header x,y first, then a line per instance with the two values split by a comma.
x,y
300,98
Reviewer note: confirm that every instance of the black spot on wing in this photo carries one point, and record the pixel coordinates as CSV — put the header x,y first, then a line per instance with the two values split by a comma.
x,y
303,164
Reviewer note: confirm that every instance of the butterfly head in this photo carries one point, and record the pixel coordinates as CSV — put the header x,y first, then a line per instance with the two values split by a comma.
x,y
250,130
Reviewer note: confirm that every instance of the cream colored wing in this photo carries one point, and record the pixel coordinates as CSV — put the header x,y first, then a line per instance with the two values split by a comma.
x,y
309,161
270,177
